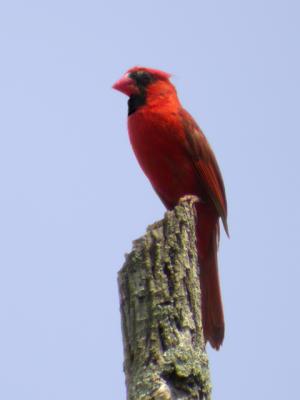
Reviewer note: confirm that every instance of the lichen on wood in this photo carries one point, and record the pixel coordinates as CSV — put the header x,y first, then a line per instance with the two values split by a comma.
x,y
164,349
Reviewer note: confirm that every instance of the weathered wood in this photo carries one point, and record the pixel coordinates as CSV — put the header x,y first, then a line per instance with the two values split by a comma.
x,y
159,289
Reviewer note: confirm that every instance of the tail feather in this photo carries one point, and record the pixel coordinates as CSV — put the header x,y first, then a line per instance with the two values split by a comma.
x,y
212,309
211,300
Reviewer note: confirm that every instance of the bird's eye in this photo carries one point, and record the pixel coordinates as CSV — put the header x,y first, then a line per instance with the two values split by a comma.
x,y
142,78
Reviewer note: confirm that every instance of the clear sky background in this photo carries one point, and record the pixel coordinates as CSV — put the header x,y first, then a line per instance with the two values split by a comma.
x,y
73,197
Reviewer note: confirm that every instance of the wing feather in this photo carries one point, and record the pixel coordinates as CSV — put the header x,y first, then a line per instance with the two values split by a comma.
x,y
206,165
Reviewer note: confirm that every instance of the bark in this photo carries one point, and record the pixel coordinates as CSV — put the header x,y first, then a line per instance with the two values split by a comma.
x,y
164,349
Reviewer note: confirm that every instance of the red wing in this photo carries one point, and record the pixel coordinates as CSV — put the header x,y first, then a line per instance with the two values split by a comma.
x,y
206,165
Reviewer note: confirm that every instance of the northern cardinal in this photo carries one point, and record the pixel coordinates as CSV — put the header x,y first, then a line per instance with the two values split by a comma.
x,y
176,157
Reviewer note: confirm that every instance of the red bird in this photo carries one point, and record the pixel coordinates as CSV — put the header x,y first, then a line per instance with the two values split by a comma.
x,y
176,157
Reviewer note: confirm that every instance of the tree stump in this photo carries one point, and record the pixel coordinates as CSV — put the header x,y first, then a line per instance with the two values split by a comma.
x,y
160,302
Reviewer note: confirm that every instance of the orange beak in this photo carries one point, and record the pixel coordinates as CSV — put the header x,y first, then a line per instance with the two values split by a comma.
x,y
126,85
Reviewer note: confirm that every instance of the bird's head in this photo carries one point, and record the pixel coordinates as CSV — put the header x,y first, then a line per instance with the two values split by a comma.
x,y
140,84
137,79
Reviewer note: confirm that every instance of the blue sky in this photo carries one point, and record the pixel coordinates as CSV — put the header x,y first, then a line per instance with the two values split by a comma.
x,y
73,197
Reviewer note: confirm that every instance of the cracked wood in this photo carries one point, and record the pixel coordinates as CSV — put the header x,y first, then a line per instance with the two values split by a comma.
x,y
164,349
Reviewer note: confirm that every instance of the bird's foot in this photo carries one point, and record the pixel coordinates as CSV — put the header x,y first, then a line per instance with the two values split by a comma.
x,y
190,198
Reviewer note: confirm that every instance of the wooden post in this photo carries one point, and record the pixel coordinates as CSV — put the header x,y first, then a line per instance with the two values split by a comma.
x,y
164,350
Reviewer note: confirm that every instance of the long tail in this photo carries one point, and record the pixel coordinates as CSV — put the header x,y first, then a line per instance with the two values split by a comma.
x,y
207,244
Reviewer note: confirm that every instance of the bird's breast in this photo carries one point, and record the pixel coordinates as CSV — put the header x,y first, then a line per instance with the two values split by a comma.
x,y
158,142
